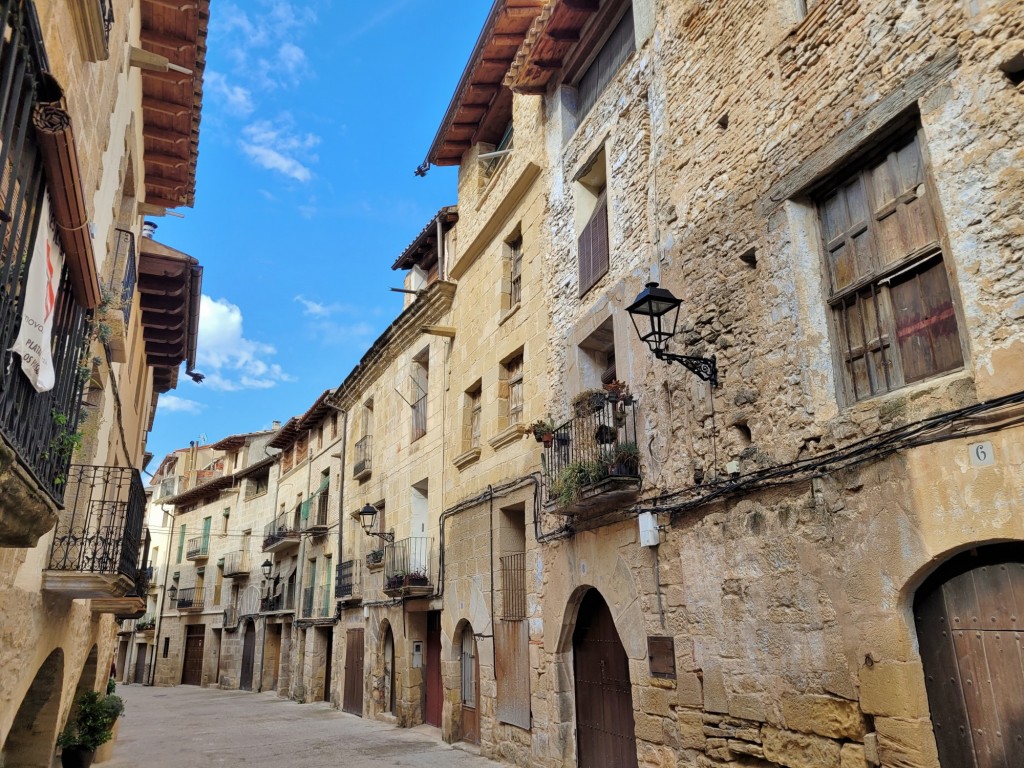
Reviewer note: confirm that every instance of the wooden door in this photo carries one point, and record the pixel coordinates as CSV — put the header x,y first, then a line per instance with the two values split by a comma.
x,y
140,663
353,699
192,665
605,736
968,628
432,673
470,688
248,656
328,663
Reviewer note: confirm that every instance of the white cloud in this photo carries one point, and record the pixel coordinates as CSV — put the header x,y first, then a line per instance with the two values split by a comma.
x,y
230,361
277,146
261,41
236,99
313,308
179,404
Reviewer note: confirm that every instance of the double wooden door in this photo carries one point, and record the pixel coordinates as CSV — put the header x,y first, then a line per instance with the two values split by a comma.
x,y
192,664
969,616
605,733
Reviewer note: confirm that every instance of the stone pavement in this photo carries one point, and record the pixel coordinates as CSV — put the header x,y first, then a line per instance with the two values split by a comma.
x,y
188,727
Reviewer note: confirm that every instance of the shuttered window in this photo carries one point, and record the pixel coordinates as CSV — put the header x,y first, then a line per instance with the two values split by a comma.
x,y
889,292
620,44
593,245
514,373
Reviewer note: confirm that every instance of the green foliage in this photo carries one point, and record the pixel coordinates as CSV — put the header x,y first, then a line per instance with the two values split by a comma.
x,y
92,724
63,443
575,478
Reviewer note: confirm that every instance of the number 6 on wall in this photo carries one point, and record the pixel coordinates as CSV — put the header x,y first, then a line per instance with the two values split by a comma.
x,y
982,454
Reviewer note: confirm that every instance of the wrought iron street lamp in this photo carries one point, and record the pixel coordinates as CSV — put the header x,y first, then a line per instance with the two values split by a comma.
x,y
655,314
172,593
267,568
367,518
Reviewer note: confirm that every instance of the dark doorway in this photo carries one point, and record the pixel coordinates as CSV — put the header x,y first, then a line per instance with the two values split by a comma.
x,y
328,662
389,670
353,699
192,666
248,655
605,735
968,627
469,692
140,663
432,673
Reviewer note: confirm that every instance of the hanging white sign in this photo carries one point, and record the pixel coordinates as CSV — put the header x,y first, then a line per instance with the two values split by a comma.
x,y
33,342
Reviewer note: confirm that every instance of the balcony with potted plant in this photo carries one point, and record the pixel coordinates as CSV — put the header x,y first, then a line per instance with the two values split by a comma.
x,y
407,568
592,462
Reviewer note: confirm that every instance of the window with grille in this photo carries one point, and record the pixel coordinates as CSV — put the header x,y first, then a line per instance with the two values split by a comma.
x,y
514,384
892,309
515,271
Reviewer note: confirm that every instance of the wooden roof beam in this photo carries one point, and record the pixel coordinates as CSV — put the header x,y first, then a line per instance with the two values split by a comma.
x,y
164,202
164,183
170,161
563,35
175,5
162,134
165,107
165,41
587,6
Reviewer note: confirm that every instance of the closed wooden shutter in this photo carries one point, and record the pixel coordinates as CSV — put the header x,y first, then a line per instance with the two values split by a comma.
x,y
593,246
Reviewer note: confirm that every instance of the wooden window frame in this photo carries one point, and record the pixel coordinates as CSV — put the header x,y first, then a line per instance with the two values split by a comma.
x,y
512,379
876,242
515,270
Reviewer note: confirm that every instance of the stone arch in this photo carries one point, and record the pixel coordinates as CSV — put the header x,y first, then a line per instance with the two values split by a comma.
x,y
385,682
966,619
29,743
915,580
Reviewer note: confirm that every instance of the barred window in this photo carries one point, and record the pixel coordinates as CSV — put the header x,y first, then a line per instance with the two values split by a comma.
x,y
892,308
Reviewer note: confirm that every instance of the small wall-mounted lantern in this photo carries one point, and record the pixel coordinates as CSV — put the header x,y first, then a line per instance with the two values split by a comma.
x,y
655,314
267,568
172,593
367,519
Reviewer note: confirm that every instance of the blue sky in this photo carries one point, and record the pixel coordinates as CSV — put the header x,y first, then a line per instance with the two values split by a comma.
x,y
315,115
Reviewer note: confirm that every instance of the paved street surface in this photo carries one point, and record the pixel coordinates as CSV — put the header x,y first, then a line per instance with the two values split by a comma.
x,y
187,727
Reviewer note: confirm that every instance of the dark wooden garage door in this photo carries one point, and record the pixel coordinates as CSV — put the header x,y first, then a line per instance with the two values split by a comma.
x,y
969,616
192,667
248,656
605,735
352,701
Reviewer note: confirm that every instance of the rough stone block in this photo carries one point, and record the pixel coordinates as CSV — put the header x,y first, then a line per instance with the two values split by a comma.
x,y
691,729
871,748
906,743
648,728
893,689
799,750
654,701
689,691
852,756
824,716
718,748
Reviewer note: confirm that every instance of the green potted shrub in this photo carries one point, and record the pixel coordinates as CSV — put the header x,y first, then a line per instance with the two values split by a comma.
x,y
543,430
91,726
589,401
624,459
574,479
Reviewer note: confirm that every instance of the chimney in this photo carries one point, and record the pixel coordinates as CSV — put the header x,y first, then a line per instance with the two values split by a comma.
x,y
275,425
148,229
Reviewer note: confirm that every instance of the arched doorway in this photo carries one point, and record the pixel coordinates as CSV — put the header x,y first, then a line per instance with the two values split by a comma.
x,y
388,654
605,733
968,616
469,691
30,741
248,655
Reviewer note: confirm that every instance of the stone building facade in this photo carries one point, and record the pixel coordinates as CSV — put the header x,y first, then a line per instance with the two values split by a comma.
x,y
79,176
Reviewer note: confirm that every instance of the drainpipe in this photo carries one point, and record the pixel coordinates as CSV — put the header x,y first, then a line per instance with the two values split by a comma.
x,y
440,246
160,602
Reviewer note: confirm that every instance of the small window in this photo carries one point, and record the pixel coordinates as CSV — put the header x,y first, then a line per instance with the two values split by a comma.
x,y
419,386
892,309
513,380
591,194
494,158
616,49
515,266
473,409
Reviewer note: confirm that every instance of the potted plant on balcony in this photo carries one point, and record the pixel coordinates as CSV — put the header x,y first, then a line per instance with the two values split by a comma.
x,y
623,460
589,401
395,581
574,479
375,557
618,391
417,578
543,430
91,726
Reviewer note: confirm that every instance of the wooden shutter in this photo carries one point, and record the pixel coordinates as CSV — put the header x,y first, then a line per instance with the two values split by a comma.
x,y
593,246
512,672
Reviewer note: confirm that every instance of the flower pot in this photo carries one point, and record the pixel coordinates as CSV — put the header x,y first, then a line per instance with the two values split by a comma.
x,y
546,438
76,757
606,435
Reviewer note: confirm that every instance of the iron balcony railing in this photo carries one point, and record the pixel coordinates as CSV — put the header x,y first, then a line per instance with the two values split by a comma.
x,y
513,586
345,580
407,563
191,599
364,456
236,564
316,517
126,255
282,600
599,443
41,427
285,527
419,418
100,530
198,548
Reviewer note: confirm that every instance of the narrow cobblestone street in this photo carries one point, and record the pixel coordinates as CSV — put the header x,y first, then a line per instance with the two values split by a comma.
x,y
186,726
